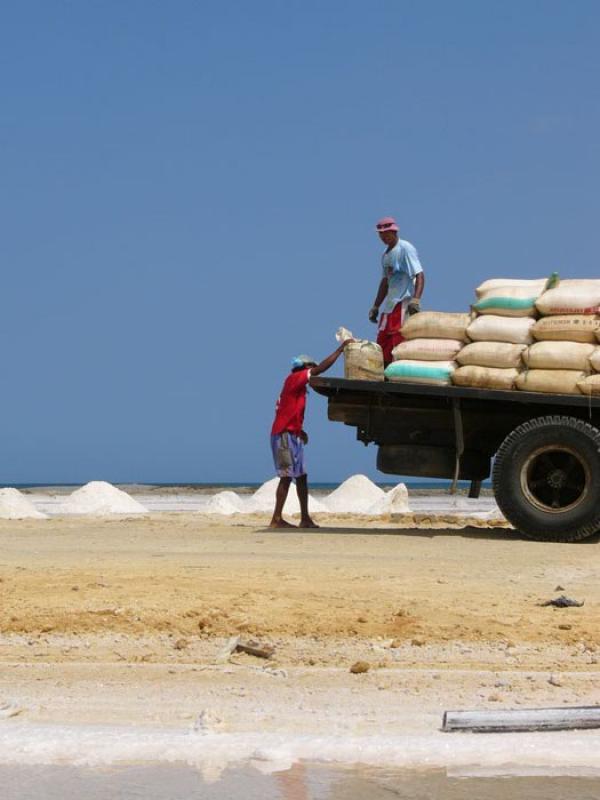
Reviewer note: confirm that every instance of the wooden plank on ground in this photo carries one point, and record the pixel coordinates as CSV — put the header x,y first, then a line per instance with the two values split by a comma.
x,y
522,719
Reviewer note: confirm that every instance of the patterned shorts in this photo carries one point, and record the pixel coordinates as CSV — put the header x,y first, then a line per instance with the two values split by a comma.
x,y
288,455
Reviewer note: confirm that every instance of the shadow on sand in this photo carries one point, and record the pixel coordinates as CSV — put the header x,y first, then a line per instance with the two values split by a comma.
x,y
496,534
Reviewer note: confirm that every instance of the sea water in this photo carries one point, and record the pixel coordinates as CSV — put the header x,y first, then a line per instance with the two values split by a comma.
x,y
301,782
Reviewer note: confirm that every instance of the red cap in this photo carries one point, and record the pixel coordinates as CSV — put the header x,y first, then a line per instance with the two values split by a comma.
x,y
386,224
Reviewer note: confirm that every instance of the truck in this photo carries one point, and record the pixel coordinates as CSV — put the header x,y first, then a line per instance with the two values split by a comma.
x,y
541,450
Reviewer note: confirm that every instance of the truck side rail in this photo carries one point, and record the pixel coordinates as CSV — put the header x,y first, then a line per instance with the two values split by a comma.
x,y
331,386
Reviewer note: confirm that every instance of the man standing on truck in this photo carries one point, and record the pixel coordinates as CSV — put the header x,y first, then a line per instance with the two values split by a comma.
x,y
288,436
400,289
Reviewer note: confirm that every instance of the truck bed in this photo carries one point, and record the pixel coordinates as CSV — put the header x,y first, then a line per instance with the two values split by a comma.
x,y
330,387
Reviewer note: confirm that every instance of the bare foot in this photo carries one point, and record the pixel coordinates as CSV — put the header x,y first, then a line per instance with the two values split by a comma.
x,y
307,523
280,523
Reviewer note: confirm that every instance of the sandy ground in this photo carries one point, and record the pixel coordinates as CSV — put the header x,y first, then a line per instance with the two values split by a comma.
x,y
124,621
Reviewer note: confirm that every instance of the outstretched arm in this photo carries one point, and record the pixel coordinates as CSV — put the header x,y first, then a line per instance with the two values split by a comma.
x,y
330,360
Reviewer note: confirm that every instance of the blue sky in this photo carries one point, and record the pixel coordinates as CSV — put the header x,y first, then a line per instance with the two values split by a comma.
x,y
188,198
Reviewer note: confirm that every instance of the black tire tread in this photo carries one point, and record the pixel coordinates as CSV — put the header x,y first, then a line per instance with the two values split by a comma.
x,y
506,503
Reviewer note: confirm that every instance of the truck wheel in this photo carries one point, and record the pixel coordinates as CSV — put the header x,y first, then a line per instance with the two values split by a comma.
x,y
546,479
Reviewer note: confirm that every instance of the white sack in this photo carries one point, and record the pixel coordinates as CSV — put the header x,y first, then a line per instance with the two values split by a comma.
x,y
553,381
497,355
427,349
436,325
485,377
492,328
571,297
559,355
567,328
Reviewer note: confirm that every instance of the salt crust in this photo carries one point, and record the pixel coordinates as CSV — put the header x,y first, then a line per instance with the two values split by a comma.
x,y
14,505
100,497
570,753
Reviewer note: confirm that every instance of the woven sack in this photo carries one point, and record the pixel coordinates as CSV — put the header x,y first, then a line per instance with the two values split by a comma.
x,y
436,325
493,328
485,377
508,301
559,355
567,328
497,355
595,359
432,372
571,297
363,361
534,286
589,385
553,381
427,349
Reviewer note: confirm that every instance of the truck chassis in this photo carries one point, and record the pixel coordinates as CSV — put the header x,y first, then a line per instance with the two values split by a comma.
x,y
542,450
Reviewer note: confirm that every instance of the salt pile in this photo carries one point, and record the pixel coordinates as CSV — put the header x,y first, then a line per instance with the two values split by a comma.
x,y
14,505
224,503
394,502
263,499
100,497
356,495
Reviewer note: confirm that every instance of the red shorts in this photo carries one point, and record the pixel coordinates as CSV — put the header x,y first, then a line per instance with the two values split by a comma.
x,y
388,333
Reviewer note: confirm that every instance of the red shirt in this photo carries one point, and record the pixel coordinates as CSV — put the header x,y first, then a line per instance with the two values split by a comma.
x,y
289,411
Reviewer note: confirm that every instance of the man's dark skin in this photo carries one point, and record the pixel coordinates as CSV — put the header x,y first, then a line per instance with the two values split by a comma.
x,y
390,239
302,480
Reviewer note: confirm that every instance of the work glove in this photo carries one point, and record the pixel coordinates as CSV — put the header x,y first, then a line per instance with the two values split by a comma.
x,y
374,314
413,307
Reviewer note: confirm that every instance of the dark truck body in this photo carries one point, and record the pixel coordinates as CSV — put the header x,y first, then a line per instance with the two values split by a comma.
x,y
452,432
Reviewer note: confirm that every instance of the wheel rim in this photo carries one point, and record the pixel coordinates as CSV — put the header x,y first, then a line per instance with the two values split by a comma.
x,y
555,479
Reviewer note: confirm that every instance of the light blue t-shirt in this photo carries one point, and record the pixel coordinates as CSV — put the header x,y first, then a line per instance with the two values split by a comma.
x,y
400,265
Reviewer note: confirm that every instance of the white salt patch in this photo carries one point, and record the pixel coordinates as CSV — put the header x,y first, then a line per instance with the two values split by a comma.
x,y
14,505
100,497
356,495
393,502
224,503
569,753
263,499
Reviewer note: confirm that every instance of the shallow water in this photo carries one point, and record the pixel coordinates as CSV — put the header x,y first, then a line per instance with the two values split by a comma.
x,y
301,782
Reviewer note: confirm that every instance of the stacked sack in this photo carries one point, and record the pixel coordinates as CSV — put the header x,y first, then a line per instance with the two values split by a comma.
x,y
591,384
432,341
500,333
563,356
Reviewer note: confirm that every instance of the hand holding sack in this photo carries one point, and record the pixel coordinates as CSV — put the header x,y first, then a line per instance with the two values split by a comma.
x,y
413,307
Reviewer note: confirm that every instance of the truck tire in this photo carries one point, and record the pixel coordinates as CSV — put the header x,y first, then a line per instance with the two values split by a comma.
x,y
546,479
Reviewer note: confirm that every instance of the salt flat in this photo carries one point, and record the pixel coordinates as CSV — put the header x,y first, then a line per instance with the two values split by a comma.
x,y
122,622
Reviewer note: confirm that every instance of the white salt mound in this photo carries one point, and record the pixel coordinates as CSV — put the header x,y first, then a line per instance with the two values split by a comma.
x,y
100,497
263,499
393,502
356,495
224,503
14,505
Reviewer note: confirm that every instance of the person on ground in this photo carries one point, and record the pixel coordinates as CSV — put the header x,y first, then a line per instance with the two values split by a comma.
x,y
288,436
400,290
